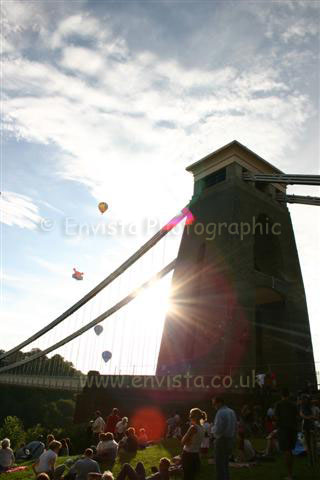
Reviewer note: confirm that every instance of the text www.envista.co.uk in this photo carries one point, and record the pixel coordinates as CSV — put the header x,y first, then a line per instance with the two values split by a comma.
x,y
186,381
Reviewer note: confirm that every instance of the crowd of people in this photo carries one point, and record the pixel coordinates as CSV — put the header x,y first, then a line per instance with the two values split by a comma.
x,y
283,424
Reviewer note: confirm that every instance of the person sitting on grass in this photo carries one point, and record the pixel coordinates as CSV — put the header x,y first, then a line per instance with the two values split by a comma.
x,y
6,455
64,450
139,473
246,451
43,476
101,447
50,438
95,475
84,465
68,442
142,438
107,449
47,460
22,453
130,442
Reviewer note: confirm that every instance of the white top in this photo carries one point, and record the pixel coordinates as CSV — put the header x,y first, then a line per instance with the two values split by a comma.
x,y
107,445
270,412
121,427
260,379
196,440
315,411
45,461
98,425
249,452
206,439
6,457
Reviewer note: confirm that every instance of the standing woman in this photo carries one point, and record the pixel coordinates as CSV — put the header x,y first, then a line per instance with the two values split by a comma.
x,y
191,443
112,421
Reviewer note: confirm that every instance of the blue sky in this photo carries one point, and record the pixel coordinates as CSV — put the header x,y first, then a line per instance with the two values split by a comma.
x,y
110,101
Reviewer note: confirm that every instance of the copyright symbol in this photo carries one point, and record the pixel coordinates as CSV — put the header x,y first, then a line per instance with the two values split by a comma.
x,y
46,224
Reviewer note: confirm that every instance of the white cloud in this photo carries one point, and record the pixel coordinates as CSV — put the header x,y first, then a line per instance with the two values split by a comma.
x,y
81,25
19,210
82,60
286,20
144,117
300,30
110,131
17,14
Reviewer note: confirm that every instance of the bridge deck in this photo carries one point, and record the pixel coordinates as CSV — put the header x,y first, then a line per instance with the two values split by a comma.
x,y
38,381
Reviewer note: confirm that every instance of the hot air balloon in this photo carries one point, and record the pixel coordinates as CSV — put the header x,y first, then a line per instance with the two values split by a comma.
x,y
77,275
103,207
98,329
106,356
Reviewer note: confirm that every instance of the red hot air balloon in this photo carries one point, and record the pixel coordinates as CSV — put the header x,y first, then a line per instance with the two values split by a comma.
x,y
77,275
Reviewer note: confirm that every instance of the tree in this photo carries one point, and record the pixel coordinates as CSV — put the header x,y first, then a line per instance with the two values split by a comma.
x,y
59,413
33,433
13,429
56,365
66,409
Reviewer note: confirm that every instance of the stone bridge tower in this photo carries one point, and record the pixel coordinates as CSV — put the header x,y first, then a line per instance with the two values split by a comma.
x,y
237,294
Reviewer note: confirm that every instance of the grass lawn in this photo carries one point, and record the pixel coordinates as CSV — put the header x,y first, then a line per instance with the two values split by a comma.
x,y
169,448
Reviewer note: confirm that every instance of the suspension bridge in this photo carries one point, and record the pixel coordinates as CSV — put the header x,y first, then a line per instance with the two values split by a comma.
x,y
232,309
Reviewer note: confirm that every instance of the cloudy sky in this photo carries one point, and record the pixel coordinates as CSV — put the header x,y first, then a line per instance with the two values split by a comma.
x,y
110,101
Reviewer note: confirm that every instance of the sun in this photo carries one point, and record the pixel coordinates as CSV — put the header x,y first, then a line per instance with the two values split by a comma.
x,y
152,304
144,327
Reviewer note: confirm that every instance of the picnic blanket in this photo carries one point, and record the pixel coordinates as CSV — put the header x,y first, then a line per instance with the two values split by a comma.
x,y
15,469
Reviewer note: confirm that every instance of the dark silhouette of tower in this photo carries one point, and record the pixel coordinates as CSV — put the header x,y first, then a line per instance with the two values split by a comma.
x,y
237,295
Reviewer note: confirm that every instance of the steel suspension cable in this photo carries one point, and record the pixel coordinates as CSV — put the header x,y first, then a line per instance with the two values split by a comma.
x,y
97,320
110,278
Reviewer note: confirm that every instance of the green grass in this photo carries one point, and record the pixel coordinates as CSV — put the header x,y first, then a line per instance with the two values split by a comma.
x,y
169,448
